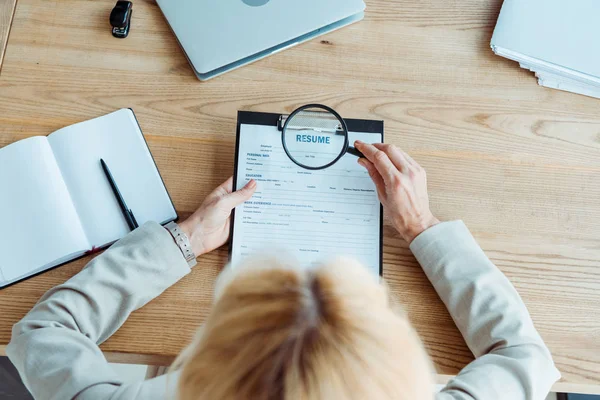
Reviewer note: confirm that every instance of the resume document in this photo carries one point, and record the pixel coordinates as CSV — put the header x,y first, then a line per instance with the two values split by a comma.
x,y
311,216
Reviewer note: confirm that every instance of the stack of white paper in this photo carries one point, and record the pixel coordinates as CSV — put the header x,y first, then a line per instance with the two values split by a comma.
x,y
558,40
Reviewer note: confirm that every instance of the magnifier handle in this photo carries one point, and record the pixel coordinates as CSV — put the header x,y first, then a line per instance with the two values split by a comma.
x,y
354,152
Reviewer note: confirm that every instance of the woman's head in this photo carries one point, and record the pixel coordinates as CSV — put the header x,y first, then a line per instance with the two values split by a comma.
x,y
278,331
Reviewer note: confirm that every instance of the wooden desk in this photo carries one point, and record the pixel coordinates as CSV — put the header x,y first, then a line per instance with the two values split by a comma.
x,y
519,163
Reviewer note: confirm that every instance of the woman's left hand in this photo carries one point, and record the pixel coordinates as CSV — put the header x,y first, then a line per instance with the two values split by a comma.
x,y
208,227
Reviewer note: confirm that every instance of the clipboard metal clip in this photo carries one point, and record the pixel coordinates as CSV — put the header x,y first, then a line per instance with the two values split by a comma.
x,y
316,116
281,121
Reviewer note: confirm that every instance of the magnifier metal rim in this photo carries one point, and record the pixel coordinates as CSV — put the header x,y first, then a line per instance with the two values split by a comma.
x,y
326,108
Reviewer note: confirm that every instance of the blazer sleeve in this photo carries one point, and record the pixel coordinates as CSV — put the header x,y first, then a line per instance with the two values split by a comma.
x,y
512,362
55,346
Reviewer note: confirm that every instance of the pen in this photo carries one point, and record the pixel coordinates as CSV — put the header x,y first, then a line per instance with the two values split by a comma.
x,y
127,213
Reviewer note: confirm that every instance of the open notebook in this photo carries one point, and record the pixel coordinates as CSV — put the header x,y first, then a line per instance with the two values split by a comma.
x,y
56,203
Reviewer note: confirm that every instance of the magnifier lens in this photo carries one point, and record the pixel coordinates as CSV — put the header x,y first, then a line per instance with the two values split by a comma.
x,y
314,137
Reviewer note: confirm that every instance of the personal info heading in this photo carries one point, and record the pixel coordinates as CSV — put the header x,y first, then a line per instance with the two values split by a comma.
x,y
313,139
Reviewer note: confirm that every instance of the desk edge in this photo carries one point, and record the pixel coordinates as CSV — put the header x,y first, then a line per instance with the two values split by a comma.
x,y
158,360
558,387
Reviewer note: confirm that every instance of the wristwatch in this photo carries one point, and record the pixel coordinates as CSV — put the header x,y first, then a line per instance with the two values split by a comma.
x,y
183,242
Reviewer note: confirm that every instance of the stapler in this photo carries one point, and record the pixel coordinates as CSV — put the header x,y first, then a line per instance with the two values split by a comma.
x,y
120,18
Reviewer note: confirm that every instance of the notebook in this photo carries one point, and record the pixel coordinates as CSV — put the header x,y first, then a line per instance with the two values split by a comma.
x,y
56,203
558,40
312,216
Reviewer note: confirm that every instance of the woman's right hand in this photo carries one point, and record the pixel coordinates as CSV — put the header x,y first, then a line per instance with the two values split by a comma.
x,y
401,186
208,228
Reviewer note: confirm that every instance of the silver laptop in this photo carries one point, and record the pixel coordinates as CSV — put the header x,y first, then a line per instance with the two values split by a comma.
x,y
220,35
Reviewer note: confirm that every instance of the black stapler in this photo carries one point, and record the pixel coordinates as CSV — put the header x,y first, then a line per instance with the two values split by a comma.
x,y
120,18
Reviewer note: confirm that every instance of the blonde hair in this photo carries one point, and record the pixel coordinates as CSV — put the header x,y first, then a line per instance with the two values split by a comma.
x,y
280,332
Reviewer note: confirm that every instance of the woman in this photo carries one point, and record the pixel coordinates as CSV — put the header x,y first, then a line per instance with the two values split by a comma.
x,y
278,331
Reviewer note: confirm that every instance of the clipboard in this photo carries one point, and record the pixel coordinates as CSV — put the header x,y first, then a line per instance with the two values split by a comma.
x,y
276,120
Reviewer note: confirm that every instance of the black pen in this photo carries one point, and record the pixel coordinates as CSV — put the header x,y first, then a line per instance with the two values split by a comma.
x,y
127,213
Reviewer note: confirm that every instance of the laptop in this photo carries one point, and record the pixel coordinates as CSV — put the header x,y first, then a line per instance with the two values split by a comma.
x,y
220,35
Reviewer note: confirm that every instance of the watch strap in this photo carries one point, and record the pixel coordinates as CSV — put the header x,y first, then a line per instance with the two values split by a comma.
x,y
183,242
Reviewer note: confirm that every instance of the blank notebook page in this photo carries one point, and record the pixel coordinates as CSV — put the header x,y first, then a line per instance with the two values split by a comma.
x,y
117,139
39,223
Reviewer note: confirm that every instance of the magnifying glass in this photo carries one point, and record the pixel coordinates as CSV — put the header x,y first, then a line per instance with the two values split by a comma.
x,y
315,137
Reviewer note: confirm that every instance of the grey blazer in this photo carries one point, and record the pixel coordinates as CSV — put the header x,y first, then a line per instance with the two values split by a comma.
x,y
55,346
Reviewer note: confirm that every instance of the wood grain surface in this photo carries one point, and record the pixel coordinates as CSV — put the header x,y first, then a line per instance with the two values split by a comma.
x,y
520,164
7,9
